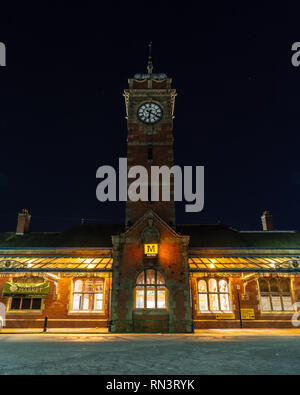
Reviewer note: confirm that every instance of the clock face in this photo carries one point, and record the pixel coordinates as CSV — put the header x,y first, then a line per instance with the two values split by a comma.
x,y
150,113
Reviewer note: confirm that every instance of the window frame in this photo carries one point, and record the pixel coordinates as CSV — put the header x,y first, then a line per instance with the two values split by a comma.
x,y
73,292
144,286
270,293
218,293
24,311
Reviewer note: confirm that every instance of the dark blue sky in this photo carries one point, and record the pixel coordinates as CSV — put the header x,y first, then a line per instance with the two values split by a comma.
x,y
62,114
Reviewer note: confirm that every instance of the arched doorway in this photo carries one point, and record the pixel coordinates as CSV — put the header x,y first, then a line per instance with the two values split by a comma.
x,y
150,302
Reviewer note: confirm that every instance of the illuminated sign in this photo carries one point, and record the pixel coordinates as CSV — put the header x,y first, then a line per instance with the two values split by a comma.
x,y
247,314
225,316
151,249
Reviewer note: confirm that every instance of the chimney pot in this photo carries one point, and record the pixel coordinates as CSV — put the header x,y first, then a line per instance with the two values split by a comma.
x,y
267,221
23,222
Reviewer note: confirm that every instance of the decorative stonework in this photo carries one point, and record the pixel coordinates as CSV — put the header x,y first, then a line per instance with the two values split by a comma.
x,y
150,234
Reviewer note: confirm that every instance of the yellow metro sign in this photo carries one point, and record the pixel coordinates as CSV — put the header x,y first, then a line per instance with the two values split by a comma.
x,y
150,249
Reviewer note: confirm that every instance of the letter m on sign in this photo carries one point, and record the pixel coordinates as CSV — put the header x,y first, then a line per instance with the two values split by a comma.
x,y
151,249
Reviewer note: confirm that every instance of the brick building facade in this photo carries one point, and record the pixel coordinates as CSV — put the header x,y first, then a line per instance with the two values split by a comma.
x,y
149,274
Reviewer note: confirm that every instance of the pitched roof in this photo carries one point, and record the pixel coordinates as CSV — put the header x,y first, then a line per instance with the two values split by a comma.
x,y
86,235
201,235
220,235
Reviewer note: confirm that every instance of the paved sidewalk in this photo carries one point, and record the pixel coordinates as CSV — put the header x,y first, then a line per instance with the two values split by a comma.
x,y
255,352
198,332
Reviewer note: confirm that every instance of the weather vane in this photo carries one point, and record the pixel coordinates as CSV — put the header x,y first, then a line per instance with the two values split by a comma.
x,y
150,66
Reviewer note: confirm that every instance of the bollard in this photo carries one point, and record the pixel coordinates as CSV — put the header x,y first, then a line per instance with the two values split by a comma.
x,y
45,324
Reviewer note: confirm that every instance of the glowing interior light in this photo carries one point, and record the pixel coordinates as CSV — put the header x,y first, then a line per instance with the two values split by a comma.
x,y
91,266
30,265
89,260
211,265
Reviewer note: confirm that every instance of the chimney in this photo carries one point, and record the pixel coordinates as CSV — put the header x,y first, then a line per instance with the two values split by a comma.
x,y
23,222
267,221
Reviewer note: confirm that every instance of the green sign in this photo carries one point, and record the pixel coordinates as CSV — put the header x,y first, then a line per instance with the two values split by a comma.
x,y
33,290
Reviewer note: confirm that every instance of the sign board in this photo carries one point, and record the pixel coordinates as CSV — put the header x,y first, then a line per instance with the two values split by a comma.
x,y
247,314
34,290
224,316
150,249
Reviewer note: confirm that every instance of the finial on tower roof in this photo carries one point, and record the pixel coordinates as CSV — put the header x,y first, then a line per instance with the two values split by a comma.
x,y
150,66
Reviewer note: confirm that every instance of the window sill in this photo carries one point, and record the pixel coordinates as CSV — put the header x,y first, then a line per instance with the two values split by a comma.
x,y
214,312
37,312
143,311
278,312
72,312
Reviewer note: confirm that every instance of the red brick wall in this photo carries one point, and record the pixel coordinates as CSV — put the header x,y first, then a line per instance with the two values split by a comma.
x,y
129,261
249,299
162,148
56,308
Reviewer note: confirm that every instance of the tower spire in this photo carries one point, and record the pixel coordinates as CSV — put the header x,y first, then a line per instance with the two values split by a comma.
x,y
150,65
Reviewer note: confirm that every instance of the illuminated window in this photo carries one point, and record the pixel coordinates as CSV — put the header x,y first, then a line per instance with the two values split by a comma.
x,y
88,294
150,290
275,294
25,304
213,295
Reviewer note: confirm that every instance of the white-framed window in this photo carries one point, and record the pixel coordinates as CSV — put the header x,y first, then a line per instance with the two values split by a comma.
x,y
88,294
275,294
214,295
150,291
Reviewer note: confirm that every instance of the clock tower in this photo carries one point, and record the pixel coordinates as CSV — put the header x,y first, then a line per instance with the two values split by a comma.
x,y
150,112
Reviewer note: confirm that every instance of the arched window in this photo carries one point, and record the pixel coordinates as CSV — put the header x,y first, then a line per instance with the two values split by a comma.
x,y
88,294
150,290
213,295
275,294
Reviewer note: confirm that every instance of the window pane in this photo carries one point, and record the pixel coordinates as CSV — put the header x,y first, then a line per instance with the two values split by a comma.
x,y
202,287
150,298
25,304
98,301
276,303
213,302
141,278
150,277
287,303
36,303
88,285
139,299
265,303
99,286
88,301
203,303
15,303
160,278
77,298
285,285
224,301
223,286
212,285
161,298
274,286
78,286
263,286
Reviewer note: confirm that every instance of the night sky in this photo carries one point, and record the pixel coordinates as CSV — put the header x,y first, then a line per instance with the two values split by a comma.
x,y
62,114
